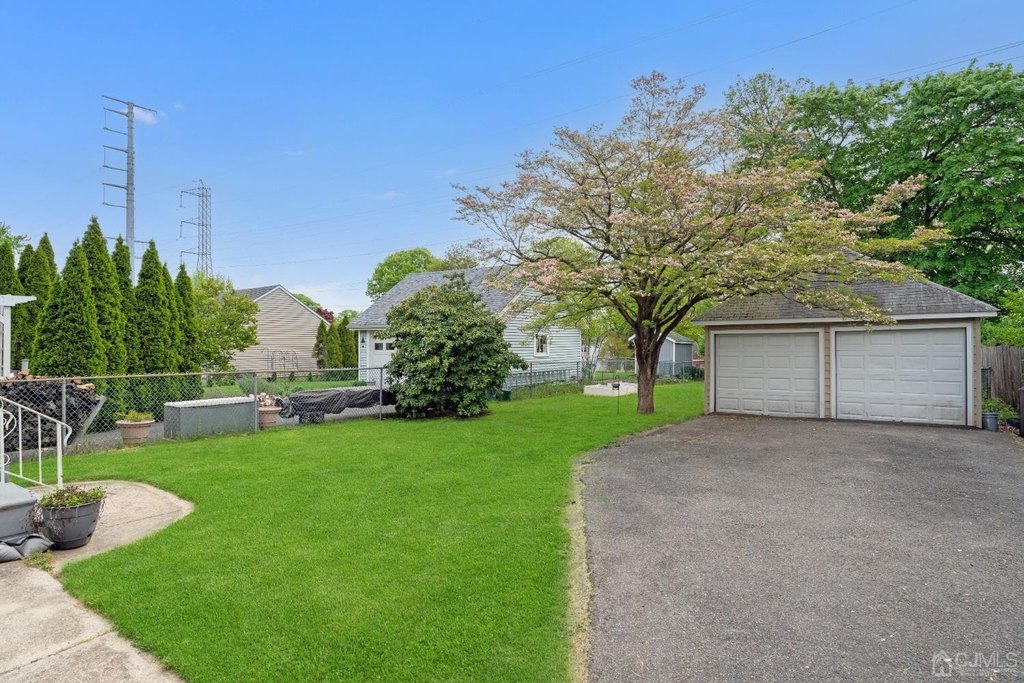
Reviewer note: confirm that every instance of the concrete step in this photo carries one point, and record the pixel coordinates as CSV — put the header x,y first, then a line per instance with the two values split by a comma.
x,y
15,505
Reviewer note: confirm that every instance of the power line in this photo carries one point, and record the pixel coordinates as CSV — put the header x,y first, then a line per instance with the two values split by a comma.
x,y
949,61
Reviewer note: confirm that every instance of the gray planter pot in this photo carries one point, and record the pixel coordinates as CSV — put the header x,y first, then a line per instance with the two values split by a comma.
x,y
70,527
990,421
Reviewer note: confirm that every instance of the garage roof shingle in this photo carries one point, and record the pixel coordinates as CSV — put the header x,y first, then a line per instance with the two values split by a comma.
x,y
912,298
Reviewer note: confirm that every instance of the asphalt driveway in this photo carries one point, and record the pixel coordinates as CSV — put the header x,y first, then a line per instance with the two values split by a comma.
x,y
736,548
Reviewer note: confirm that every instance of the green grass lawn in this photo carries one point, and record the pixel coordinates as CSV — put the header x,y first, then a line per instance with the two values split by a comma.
x,y
394,550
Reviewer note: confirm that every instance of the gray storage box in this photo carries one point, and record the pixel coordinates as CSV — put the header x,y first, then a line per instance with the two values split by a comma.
x,y
187,419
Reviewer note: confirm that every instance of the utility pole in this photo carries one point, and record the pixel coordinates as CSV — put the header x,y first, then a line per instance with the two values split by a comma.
x,y
204,230
129,168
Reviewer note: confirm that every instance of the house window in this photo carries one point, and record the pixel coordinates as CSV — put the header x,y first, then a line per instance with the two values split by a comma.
x,y
389,346
383,346
378,346
540,344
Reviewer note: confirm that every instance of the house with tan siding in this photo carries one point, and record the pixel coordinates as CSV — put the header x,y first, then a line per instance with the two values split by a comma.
x,y
285,331
552,353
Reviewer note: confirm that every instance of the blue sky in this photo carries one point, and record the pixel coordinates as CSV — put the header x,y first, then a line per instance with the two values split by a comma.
x,y
331,133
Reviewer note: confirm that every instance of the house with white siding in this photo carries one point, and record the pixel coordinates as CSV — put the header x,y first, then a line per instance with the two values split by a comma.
x,y
285,332
551,352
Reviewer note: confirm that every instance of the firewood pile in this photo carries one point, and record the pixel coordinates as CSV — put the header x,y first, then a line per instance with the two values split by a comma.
x,y
74,403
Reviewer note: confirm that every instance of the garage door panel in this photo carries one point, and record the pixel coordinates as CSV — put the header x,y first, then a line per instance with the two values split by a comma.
x,y
772,374
902,375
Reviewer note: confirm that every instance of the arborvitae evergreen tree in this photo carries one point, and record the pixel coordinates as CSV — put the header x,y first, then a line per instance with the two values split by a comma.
x,y
153,316
68,337
122,261
24,261
320,347
349,355
25,330
10,284
189,327
177,339
109,301
332,348
48,257
38,282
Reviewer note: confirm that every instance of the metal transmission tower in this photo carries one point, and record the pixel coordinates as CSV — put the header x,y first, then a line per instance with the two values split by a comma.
x,y
204,248
129,168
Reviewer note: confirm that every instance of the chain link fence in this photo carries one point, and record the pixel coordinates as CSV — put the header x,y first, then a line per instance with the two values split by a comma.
x,y
93,406
625,368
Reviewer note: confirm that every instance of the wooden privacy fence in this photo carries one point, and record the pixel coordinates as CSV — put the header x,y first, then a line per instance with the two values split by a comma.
x,y
1005,377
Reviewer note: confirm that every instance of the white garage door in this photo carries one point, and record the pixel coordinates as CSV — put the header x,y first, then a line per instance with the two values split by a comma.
x,y
902,375
767,374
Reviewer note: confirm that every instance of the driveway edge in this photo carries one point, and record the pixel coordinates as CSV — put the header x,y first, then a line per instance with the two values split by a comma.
x,y
580,588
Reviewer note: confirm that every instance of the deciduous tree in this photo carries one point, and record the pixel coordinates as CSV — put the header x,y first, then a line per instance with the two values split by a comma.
x,y
395,267
655,231
226,321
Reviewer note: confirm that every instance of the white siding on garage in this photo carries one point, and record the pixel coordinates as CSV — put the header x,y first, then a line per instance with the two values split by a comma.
x,y
910,375
768,374
286,333
565,345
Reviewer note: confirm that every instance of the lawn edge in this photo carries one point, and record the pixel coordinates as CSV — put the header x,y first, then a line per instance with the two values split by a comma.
x,y
580,587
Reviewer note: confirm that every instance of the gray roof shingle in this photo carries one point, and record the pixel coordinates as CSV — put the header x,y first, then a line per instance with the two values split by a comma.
x,y
495,298
256,292
912,298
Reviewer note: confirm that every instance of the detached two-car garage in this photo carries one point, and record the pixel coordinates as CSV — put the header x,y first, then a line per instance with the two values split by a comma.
x,y
765,358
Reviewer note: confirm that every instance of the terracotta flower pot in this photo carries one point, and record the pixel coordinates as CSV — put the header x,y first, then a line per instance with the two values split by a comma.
x,y
268,416
134,433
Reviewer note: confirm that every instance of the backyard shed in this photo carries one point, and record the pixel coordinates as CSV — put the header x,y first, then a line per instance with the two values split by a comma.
x,y
285,332
676,353
771,355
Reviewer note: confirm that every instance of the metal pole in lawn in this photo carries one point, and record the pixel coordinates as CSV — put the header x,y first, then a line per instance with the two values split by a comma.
x,y
380,396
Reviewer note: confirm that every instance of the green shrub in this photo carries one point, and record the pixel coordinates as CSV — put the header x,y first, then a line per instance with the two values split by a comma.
x,y
450,352
998,405
136,416
70,496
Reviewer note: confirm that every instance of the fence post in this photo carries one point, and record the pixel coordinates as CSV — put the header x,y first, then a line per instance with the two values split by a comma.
x,y
531,380
60,455
380,396
255,402
64,400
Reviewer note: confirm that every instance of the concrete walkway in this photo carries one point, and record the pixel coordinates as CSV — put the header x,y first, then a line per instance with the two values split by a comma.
x,y
50,636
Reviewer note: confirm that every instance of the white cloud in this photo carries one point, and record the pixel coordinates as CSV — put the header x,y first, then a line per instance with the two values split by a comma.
x,y
449,172
178,106
148,117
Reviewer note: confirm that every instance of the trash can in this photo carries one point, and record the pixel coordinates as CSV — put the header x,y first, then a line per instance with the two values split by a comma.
x,y
990,422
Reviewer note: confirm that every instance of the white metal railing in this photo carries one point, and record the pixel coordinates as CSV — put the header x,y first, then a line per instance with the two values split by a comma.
x,y
21,420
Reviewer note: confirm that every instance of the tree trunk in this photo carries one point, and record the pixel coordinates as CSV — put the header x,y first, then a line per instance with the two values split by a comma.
x,y
647,350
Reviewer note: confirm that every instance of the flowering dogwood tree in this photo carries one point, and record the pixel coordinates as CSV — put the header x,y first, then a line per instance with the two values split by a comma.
x,y
659,214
